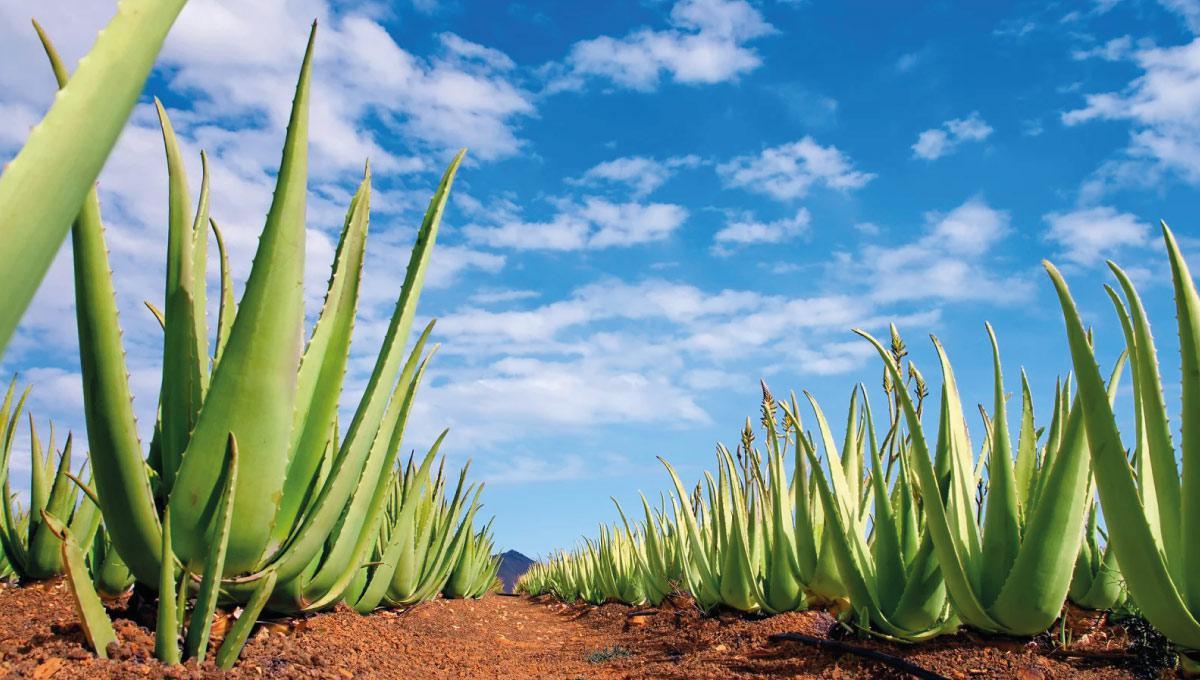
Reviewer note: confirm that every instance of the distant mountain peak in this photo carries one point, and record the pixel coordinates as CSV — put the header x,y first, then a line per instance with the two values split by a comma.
x,y
512,565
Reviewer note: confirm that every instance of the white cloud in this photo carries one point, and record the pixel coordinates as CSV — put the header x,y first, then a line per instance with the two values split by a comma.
x,y
788,171
568,393
615,351
937,142
1188,10
643,175
494,295
705,43
1162,106
952,260
426,6
591,224
1089,235
467,52
746,231
527,469
219,54
1113,50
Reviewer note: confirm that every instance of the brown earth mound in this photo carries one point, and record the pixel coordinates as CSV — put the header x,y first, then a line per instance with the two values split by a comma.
x,y
510,637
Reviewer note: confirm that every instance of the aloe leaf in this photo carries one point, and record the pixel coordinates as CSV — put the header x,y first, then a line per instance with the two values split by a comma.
x,y
348,482
93,618
889,569
842,486
1161,450
955,450
324,364
200,625
43,187
1187,306
166,631
228,308
253,387
1142,464
181,391
235,639
199,267
1002,522
1026,464
360,523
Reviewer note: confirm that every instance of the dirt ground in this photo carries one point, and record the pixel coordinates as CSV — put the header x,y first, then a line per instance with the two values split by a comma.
x,y
516,637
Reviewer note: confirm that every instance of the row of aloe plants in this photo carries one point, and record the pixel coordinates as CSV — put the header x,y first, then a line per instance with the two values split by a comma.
x,y
912,531
250,493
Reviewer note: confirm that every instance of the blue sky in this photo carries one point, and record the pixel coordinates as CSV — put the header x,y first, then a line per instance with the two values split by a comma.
x,y
664,202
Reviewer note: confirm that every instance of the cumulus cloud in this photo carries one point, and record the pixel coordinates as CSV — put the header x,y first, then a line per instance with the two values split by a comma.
x,y
1162,106
592,223
747,231
788,171
935,143
1112,50
616,351
951,260
704,43
1089,235
641,174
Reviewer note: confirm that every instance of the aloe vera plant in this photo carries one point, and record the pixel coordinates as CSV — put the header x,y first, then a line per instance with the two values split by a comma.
x,y
43,187
30,546
1012,574
1097,582
1151,505
474,574
249,491
891,572
420,539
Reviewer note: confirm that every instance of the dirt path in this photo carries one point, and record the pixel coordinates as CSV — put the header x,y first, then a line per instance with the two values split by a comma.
x,y
506,637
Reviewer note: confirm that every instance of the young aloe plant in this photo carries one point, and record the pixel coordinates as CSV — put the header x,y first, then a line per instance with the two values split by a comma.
x,y
44,185
430,546
256,528
1151,510
1010,575
1097,582
30,546
893,579
475,571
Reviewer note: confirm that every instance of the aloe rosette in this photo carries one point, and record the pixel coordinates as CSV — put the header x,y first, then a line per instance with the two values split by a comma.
x,y
890,572
475,571
30,548
1151,505
1097,582
1011,572
249,490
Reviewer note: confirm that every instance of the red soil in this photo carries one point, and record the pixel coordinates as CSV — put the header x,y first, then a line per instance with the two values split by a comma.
x,y
508,637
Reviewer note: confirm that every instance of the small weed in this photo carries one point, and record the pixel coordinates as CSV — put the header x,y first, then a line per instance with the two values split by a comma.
x,y
607,654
